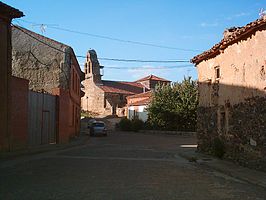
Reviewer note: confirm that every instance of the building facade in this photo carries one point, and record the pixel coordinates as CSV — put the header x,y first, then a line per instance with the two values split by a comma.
x,y
137,105
7,13
106,97
51,67
232,89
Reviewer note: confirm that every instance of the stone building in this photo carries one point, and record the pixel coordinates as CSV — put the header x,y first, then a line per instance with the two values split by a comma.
x,y
137,104
232,89
109,97
51,67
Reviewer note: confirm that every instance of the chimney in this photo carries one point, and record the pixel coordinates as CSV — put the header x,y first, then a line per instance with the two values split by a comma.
x,y
229,31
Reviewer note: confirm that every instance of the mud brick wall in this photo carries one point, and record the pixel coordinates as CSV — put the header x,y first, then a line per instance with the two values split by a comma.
x,y
44,67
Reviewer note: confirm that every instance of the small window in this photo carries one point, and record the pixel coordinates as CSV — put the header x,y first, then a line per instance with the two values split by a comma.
x,y
104,102
89,67
86,68
217,73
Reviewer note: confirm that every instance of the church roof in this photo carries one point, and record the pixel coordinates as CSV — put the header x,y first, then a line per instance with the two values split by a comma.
x,y
121,87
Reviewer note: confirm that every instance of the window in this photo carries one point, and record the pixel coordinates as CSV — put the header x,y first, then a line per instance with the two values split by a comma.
x,y
217,72
73,79
86,68
76,88
104,103
89,67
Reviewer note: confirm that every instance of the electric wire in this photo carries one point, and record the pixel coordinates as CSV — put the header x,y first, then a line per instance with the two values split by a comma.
x,y
109,59
110,38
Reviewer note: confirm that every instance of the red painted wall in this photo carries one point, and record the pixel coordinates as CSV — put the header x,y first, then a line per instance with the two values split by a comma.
x,y
68,126
19,113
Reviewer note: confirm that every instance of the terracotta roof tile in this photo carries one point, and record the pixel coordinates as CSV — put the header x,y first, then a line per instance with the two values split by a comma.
x,y
152,77
141,102
141,95
231,38
9,11
121,87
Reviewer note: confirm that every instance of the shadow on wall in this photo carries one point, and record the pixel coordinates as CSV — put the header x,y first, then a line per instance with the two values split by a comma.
x,y
236,115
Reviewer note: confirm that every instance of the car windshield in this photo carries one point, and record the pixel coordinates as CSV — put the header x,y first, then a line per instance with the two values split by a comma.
x,y
98,124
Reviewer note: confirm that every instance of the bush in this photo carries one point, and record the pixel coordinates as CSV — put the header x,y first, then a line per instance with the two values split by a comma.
x,y
125,124
136,125
218,148
130,125
174,107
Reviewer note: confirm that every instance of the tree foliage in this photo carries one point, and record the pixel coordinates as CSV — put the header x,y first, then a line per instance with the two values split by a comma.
x,y
174,107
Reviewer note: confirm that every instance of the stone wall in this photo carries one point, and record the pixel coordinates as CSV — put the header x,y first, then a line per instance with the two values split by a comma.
x,y
44,67
246,141
93,100
97,101
245,136
206,128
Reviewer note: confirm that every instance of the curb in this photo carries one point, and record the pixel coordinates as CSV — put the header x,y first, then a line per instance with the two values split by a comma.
x,y
42,149
256,178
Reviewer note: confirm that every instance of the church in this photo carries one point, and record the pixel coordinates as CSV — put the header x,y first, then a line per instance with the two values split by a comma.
x,y
105,97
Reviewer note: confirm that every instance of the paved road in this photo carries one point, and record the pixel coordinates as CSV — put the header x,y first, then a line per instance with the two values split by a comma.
x,y
120,166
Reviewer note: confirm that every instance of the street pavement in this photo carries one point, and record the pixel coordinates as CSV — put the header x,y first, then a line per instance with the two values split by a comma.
x,y
121,166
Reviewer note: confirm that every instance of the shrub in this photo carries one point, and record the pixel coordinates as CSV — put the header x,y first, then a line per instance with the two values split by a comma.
x,y
136,125
125,124
174,107
218,148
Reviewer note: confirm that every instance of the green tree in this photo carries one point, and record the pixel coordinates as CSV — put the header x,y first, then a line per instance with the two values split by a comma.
x,y
174,107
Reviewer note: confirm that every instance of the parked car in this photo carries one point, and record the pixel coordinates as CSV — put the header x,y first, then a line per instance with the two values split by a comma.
x,y
91,121
98,128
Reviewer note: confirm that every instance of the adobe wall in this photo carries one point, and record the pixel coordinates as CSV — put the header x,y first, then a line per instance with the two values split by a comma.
x,y
44,67
242,64
19,113
233,106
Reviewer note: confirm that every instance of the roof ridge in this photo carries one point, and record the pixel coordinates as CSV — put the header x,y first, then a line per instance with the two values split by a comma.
x,y
152,76
41,36
231,38
10,11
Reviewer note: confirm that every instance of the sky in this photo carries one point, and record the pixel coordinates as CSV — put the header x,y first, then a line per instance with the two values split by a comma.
x,y
188,27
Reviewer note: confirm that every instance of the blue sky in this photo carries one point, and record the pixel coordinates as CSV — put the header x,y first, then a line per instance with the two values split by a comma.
x,y
185,24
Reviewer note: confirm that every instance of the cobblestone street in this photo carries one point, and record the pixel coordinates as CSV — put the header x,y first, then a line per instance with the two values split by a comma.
x,y
120,166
